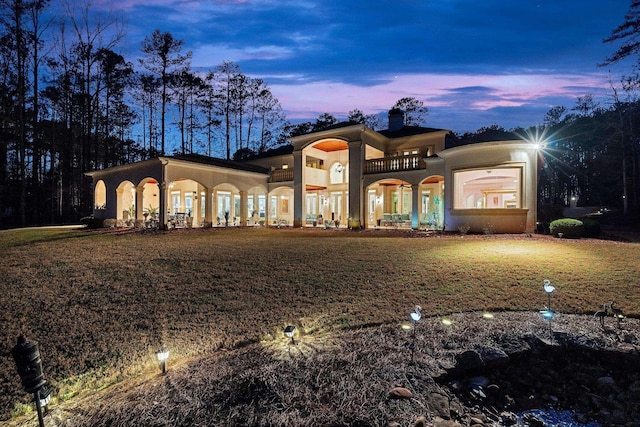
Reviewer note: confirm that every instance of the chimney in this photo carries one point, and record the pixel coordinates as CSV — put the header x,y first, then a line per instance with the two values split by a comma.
x,y
396,119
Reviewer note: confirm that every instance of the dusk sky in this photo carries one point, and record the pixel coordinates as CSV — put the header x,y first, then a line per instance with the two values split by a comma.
x,y
473,63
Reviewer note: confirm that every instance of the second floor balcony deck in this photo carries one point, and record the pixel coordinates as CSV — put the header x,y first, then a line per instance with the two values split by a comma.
x,y
382,165
281,175
394,164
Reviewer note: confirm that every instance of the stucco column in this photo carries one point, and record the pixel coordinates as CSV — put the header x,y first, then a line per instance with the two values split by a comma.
x,y
356,165
139,203
214,207
415,206
298,189
244,208
162,218
208,217
119,206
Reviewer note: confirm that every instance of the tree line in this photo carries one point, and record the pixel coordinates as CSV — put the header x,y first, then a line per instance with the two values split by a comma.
x,y
71,103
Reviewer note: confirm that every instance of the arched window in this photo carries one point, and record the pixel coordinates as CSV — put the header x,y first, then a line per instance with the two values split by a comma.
x,y
336,174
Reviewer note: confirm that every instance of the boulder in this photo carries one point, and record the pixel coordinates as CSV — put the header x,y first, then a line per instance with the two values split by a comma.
x,y
400,393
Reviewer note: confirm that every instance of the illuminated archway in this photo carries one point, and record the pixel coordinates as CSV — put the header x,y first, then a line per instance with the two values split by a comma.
x,y
100,195
126,201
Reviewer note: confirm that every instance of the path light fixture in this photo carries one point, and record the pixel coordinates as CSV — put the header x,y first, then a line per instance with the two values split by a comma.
x,y
289,331
487,315
163,355
548,288
446,321
548,315
415,315
29,366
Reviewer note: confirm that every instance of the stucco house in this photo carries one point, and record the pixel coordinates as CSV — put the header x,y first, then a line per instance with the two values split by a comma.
x,y
347,175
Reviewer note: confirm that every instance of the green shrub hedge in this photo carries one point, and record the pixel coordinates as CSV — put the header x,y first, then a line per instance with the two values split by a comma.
x,y
569,228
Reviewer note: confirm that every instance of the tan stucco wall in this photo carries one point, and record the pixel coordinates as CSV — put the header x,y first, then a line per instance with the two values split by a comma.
x,y
493,154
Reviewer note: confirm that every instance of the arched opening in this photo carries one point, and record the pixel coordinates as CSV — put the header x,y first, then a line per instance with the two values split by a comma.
x,y
226,202
100,196
326,178
432,203
150,200
281,206
389,203
186,203
126,203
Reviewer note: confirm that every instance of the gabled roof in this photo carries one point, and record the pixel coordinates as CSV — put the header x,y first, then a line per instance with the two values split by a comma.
x,y
213,161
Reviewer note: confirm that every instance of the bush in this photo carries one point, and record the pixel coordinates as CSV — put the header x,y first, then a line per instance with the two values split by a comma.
x,y
92,222
569,228
591,228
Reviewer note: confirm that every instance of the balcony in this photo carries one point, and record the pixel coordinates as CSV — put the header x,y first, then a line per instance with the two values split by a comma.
x,y
281,175
394,164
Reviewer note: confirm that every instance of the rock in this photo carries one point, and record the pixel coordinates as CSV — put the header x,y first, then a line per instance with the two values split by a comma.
x,y
439,422
508,418
420,422
527,403
514,346
440,405
469,360
533,421
605,383
400,393
475,421
493,357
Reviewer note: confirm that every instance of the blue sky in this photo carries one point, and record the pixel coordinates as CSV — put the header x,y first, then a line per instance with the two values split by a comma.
x,y
473,63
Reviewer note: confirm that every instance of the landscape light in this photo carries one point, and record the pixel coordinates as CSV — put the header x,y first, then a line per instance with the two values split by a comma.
x,y
487,315
163,355
446,321
29,366
548,288
289,331
415,315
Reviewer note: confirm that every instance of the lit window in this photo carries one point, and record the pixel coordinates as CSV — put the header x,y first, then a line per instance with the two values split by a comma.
x,y
489,188
285,166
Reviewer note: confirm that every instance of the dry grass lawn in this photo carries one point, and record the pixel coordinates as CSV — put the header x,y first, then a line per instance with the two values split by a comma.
x,y
101,303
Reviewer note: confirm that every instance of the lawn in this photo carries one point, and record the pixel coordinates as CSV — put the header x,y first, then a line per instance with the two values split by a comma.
x,y
100,304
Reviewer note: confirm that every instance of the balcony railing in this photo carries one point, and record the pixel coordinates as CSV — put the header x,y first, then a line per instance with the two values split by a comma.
x,y
393,164
282,175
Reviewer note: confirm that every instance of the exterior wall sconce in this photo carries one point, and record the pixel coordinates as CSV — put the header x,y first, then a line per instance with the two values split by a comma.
x,y
29,366
163,355
289,332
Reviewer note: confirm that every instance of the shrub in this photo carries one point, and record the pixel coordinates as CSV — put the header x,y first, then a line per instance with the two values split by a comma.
x,y
591,227
92,222
110,222
569,228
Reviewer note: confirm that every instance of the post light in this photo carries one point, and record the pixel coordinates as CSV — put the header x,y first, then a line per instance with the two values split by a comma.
x,y
29,366
289,331
415,316
548,288
163,355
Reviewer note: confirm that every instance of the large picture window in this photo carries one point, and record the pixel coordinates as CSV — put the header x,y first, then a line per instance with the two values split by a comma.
x,y
488,188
